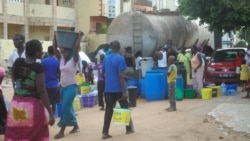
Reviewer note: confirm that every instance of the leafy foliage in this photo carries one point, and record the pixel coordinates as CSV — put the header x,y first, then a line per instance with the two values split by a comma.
x,y
241,44
224,15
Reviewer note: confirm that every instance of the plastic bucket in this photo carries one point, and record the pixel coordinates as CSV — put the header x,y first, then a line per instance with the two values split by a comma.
x,y
85,89
80,78
121,116
218,90
66,39
77,103
206,93
189,93
136,83
214,90
179,87
132,90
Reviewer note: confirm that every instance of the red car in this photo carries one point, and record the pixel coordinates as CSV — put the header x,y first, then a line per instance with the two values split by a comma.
x,y
221,67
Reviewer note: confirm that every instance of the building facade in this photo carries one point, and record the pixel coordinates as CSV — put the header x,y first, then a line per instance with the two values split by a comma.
x,y
36,18
94,17
165,4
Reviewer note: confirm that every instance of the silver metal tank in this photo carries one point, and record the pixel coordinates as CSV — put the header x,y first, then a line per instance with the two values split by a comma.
x,y
144,31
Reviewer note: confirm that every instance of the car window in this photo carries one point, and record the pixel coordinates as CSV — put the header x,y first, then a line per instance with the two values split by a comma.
x,y
226,55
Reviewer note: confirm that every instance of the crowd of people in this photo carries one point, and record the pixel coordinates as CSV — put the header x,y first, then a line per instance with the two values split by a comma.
x,y
40,82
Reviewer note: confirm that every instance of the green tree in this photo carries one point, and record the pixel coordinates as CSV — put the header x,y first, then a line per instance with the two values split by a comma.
x,y
221,15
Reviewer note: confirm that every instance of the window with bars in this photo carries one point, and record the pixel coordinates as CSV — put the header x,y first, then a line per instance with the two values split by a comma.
x,y
66,1
21,1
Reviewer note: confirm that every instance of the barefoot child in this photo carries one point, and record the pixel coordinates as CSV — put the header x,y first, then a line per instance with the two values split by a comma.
x,y
172,74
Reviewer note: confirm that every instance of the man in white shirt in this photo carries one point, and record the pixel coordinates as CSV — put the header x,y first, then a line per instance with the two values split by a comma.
x,y
19,50
102,50
162,58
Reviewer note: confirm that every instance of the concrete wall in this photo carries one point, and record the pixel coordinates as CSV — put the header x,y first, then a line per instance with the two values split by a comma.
x,y
143,8
97,19
90,9
6,48
65,13
14,29
94,40
127,6
15,8
94,8
1,6
39,10
39,32
37,1
1,31
65,4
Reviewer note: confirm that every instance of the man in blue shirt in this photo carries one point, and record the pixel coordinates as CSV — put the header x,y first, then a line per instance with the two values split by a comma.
x,y
52,71
115,89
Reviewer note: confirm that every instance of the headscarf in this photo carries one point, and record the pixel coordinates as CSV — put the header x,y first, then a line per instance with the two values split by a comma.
x,y
199,48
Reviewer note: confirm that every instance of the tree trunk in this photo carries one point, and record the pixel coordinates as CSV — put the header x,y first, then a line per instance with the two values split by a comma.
x,y
217,39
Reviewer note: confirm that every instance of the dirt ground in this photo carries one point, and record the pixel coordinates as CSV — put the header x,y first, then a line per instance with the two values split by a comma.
x,y
189,123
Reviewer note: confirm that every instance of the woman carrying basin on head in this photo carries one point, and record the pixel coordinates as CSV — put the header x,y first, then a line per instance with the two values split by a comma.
x,y
69,58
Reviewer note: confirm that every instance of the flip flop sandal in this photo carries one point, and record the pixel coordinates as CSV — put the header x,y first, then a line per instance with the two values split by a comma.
x,y
59,136
74,131
106,136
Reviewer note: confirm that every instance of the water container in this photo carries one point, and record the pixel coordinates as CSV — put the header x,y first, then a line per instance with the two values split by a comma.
x,y
163,70
206,93
223,88
179,87
214,90
66,39
182,70
154,86
231,92
231,89
136,83
146,65
189,93
132,95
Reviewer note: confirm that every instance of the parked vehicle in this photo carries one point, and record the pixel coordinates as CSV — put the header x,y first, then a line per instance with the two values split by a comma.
x,y
221,67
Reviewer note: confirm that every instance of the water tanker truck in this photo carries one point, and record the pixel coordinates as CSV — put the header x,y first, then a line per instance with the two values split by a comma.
x,y
144,31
